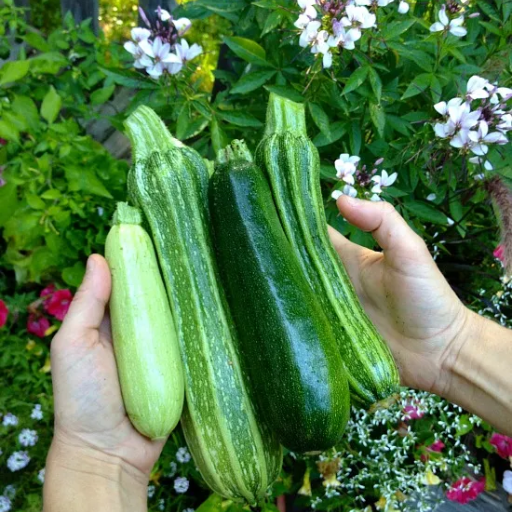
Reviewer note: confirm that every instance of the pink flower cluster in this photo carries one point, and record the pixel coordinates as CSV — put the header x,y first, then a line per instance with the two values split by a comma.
x,y
465,490
503,445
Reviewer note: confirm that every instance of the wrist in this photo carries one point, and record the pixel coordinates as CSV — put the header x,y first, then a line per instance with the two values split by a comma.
x,y
93,480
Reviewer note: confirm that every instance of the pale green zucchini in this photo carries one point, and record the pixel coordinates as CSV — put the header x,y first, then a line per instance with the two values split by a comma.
x,y
145,341
236,454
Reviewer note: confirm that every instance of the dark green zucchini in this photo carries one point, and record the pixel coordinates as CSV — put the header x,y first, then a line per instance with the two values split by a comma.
x,y
287,346
292,166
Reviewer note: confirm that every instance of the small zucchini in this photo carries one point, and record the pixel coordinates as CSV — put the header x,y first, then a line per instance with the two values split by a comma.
x,y
286,343
145,341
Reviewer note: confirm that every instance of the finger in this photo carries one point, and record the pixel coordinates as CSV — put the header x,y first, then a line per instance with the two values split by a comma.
x,y
88,307
349,252
386,225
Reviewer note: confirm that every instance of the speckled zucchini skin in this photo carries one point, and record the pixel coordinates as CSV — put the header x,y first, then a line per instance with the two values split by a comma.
x,y
286,343
236,454
292,166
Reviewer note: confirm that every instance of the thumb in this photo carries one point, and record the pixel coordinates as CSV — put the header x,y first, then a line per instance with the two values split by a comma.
x,y
386,225
88,307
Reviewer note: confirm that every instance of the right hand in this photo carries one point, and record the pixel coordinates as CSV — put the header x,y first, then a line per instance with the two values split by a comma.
x,y
403,292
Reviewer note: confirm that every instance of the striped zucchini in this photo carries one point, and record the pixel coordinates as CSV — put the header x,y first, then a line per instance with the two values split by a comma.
x,y
236,454
292,165
145,341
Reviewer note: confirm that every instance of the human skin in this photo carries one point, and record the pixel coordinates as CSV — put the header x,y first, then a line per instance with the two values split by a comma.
x,y
98,461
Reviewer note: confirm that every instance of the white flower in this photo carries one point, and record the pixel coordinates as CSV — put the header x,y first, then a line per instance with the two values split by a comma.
x,y
476,88
161,53
349,190
460,139
482,136
186,52
346,166
403,7
336,194
302,21
461,117
174,468
41,474
309,33
321,45
357,18
477,160
183,455
181,485
161,504
505,123
141,59
384,180
37,413
442,106
445,24
304,4
18,460
383,3
342,37
507,481
10,491
182,25
188,510
140,34
431,197
9,420
5,504
505,93
151,491
28,437
375,198
164,15
450,221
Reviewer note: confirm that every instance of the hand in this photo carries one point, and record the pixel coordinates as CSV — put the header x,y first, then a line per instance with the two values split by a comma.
x,y
92,430
403,292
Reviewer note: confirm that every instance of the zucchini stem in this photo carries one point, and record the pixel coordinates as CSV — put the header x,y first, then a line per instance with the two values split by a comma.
x,y
126,214
284,115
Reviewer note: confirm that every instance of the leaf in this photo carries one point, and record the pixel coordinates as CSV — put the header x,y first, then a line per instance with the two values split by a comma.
x,y
195,127
426,212
491,28
85,180
35,202
14,71
268,4
338,129
26,108
50,107
378,117
219,139
212,504
376,83
8,131
396,28
436,89
320,118
73,276
240,119
286,92
248,50
100,96
356,79
48,63
129,79
355,137
252,81
418,85
8,202
272,21
38,42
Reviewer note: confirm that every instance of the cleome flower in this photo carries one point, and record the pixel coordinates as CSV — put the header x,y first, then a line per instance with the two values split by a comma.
x,y
446,25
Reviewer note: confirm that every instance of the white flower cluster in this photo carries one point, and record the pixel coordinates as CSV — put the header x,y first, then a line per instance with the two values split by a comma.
x,y
447,25
348,172
378,453
28,437
157,49
18,460
477,120
183,455
500,303
9,420
5,504
181,484
347,20
37,413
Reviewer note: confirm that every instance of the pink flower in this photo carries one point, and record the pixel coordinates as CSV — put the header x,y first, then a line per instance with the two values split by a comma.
x,y
47,291
499,253
3,142
37,325
437,446
503,445
4,313
412,413
465,490
57,304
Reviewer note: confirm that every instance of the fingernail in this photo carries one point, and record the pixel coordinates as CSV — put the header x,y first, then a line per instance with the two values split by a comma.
x,y
90,265
352,201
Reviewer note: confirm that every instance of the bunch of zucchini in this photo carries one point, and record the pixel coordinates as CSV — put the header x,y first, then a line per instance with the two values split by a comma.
x,y
255,321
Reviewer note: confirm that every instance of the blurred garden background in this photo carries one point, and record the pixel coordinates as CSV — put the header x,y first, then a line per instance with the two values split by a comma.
x,y
407,101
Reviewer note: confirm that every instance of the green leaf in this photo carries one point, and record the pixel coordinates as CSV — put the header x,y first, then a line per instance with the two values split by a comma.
x,y
102,95
436,89
338,129
320,118
51,194
26,108
272,21
195,127
85,180
8,202
248,50
286,92
491,28
252,81
418,85
356,79
376,83
8,131
464,426
129,79
50,107
74,275
14,71
426,212
355,137
47,63
378,117
268,4
396,28
38,42
240,119
219,138
35,202
212,504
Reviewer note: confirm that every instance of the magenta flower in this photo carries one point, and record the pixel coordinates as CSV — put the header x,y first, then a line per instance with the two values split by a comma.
x,y
412,413
437,446
38,325
503,445
4,313
465,490
57,303
499,253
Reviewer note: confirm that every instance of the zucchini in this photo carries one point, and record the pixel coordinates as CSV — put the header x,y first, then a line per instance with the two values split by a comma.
x,y
292,165
236,454
286,343
145,341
